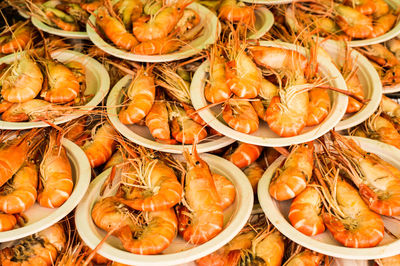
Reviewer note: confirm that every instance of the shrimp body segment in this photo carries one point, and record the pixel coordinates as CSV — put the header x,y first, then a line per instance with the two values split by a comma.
x,y
225,189
17,41
241,116
7,222
157,235
292,178
20,194
56,175
217,90
141,94
245,154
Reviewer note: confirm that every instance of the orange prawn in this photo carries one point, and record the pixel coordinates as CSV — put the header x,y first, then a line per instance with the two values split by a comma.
x,y
149,185
382,25
305,212
206,218
240,115
115,30
155,236
305,258
161,46
55,174
292,178
254,173
319,106
225,189
7,222
20,194
157,121
141,94
232,11
17,40
101,146
244,155
22,81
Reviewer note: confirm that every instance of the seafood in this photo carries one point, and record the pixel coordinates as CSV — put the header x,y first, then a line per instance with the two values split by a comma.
x,y
16,38
292,178
377,180
150,186
391,108
20,194
164,45
305,258
22,81
305,212
13,153
157,121
240,115
55,174
382,129
353,85
319,106
254,172
267,91
389,261
244,154
101,146
206,216
154,237
115,30
141,94
236,12
63,86
225,189
382,25
217,90
39,249
61,19
7,222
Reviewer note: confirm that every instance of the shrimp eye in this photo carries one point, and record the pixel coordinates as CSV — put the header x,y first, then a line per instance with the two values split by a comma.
x,y
179,9
197,163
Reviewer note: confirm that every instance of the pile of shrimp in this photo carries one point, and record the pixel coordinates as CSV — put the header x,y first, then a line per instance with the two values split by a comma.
x,y
259,243
150,27
35,168
341,188
386,60
15,37
37,87
238,14
258,83
158,97
64,15
348,19
384,125
158,197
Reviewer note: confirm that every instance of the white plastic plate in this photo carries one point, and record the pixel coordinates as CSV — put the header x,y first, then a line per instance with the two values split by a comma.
x,y
141,134
208,36
264,22
179,252
39,217
97,84
52,30
277,213
264,136
369,79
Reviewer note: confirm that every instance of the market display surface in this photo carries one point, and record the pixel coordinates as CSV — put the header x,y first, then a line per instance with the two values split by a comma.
x,y
200,132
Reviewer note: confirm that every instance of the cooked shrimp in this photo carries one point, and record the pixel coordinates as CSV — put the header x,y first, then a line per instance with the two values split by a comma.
x,y
91,5
157,121
4,105
129,11
381,55
242,75
353,22
63,86
390,108
389,261
161,46
158,233
101,146
292,178
383,24
205,220
235,12
55,174
240,115
183,128
244,155
115,30
20,194
141,94
354,86
22,81
382,129
149,185
305,258
377,181
17,39
39,249
7,222
225,189
381,8
366,7
217,89
254,173
319,106
305,212
267,91
161,24
61,20
358,227
14,152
